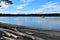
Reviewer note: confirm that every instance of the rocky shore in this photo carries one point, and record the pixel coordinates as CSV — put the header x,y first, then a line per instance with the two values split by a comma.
x,y
18,32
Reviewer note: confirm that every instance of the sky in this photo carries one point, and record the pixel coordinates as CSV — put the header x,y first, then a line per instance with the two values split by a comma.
x,y
32,7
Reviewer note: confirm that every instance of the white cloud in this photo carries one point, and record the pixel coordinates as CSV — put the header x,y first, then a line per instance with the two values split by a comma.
x,y
18,7
2,11
21,6
3,5
50,7
27,1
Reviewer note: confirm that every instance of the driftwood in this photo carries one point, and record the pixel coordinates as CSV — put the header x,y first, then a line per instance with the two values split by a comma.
x,y
18,32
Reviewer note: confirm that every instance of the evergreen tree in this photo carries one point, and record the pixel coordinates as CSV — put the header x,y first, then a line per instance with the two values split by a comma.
x,y
6,1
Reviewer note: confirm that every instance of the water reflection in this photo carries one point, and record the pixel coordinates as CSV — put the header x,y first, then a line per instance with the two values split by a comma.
x,y
35,22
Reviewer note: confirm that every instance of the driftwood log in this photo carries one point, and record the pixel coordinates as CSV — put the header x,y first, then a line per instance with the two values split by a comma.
x,y
18,32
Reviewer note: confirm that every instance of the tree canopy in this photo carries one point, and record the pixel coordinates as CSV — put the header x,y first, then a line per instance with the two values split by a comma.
x,y
6,1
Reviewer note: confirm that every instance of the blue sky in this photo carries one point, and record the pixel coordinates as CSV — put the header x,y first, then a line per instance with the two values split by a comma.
x,y
34,7
31,6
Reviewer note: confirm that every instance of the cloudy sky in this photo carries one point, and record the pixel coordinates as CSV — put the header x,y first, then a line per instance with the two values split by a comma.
x,y
32,6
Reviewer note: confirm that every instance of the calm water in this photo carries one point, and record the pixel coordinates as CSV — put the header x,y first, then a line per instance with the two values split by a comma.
x,y
35,22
